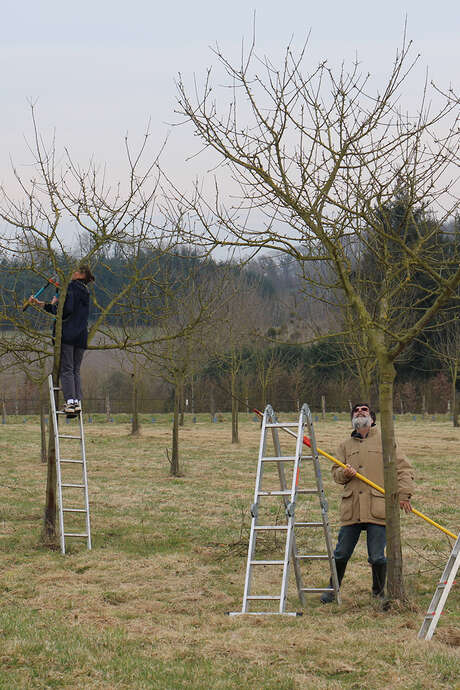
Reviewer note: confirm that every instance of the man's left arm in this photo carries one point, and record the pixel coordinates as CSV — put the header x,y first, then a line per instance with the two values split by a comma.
x,y
406,486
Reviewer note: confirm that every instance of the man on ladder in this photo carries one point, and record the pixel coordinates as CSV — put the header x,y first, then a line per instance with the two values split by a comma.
x,y
362,507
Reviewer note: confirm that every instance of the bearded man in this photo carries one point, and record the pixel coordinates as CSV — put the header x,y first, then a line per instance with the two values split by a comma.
x,y
362,507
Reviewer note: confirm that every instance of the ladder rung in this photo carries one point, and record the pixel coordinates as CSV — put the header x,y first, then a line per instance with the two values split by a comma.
x,y
263,597
312,557
74,534
280,458
308,524
75,486
267,562
317,589
287,492
74,510
68,436
281,425
79,462
279,527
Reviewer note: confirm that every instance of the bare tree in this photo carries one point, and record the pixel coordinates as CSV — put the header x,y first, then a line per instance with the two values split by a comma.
x,y
318,157
193,295
58,199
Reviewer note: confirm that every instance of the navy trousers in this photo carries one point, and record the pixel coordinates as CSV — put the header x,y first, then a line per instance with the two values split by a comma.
x,y
348,538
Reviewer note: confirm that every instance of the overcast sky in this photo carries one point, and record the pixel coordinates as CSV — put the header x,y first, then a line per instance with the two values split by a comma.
x,y
99,69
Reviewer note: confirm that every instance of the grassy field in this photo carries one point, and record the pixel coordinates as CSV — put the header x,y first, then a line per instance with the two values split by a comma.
x,y
146,607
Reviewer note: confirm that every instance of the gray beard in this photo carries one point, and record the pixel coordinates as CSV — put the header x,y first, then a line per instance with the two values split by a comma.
x,y
359,422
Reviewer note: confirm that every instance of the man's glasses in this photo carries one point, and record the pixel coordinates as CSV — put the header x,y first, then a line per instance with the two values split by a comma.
x,y
362,408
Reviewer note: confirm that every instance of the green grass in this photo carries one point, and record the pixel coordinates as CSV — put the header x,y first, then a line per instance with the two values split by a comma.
x,y
146,607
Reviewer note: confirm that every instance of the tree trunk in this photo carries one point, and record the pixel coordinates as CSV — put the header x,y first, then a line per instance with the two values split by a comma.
x,y
43,453
49,521
175,468
49,524
235,438
107,406
455,400
3,411
181,403
393,531
135,424
212,402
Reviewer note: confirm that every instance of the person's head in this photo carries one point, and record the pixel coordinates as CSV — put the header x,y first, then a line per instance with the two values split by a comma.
x,y
84,274
362,416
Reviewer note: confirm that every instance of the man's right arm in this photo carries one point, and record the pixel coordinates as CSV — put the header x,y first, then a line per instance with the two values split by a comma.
x,y
342,475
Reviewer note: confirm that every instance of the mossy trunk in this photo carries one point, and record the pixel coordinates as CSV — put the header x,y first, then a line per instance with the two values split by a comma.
x,y
49,518
49,523
43,448
393,530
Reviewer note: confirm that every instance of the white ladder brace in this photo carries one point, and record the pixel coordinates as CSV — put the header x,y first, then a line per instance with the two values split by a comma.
x,y
289,496
82,484
441,593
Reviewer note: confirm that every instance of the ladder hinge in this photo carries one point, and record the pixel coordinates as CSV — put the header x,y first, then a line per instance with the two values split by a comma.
x,y
290,509
254,510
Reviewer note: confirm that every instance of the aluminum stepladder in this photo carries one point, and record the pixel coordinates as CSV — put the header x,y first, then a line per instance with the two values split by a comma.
x,y
289,495
81,484
441,593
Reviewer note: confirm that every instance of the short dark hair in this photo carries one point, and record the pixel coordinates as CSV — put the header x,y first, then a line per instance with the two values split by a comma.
x,y
89,278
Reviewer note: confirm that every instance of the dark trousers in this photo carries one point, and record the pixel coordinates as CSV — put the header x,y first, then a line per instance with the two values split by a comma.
x,y
348,538
71,359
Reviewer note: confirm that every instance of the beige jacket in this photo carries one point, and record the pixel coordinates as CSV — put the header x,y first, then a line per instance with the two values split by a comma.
x,y
360,502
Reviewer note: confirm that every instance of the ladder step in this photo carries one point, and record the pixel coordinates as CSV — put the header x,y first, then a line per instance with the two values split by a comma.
x,y
312,557
69,436
308,524
274,527
287,492
78,462
74,510
264,597
281,425
75,486
317,589
280,458
74,534
267,562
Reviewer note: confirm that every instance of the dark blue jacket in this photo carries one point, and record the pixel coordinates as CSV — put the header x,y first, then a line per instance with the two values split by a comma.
x,y
75,315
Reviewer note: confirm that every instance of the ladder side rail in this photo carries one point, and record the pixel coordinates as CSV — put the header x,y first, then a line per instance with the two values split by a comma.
x,y
283,485
57,453
324,506
254,510
291,509
85,482
441,593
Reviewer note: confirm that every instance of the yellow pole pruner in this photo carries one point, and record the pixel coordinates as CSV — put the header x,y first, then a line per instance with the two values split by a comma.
x,y
364,479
